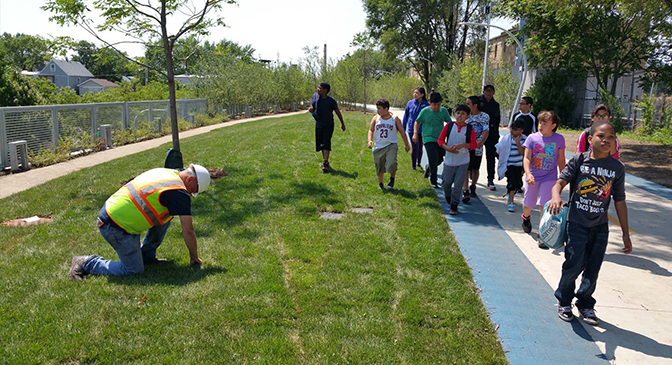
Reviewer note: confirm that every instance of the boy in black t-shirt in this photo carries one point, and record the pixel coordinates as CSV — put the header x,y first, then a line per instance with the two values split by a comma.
x,y
595,178
526,115
322,107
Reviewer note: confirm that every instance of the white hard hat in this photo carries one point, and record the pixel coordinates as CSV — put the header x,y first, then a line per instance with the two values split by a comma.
x,y
202,177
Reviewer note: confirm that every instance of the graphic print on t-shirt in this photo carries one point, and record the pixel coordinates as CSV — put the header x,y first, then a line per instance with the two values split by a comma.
x,y
543,156
594,188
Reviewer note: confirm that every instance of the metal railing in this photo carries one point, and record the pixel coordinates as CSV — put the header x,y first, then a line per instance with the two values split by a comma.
x,y
45,126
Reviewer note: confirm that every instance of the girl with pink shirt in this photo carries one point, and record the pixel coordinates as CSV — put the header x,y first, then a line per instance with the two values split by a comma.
x,y
600,112
544,154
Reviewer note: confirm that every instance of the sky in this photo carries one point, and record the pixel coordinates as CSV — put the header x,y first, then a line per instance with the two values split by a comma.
x,y
276,29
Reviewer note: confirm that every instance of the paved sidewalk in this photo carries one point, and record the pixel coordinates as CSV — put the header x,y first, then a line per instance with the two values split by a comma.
x,y
14,183
517,281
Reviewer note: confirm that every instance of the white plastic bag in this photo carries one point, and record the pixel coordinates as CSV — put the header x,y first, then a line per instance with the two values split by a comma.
x,y
552,228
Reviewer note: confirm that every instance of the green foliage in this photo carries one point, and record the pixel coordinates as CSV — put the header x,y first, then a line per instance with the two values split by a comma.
x,y
23,51
616,109
18,90
465,79
233,81
603,38
549,92
398,89
424,30
102,63
68,148
647,106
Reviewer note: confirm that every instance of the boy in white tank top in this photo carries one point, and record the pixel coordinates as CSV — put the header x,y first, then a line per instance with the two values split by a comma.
x,y
383,140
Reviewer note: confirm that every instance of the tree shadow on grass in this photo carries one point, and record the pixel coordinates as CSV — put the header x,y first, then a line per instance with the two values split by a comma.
x,y
344,174
168,273
404,193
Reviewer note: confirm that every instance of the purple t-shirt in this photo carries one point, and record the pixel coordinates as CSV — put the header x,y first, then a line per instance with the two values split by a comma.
x,y
544,164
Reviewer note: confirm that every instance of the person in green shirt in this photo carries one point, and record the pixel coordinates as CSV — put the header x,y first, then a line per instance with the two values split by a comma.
x,y
432,120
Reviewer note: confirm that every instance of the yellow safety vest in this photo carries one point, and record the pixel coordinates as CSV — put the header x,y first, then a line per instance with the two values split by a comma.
x,y
136,206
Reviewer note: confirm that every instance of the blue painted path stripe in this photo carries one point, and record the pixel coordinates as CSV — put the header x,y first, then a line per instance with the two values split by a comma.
x,y
520,302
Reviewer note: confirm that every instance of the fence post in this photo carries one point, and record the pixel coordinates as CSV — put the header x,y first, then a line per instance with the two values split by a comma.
x,y
94,121
149,114
54,126
126,117
3,140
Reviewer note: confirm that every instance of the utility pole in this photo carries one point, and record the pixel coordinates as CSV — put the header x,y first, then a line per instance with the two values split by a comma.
x,y
364,76
324,62
487,45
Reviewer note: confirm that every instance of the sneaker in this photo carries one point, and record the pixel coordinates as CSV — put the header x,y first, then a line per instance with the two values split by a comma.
x,y
434,186
527,224
511,207
565,313
466,197
390,185
453,209
381,186
491,186
588,316
426,171
77,272
472,192
541,244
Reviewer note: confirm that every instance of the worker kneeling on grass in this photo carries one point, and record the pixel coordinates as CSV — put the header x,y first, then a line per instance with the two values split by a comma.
x,y
146,203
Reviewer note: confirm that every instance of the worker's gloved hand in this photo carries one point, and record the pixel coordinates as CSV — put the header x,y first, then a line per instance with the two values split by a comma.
x,y
196,261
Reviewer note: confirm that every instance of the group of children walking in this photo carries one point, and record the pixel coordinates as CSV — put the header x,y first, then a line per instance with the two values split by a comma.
x,y
531,156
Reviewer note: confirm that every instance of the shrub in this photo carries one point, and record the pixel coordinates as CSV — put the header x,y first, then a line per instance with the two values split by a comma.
x,y
549,92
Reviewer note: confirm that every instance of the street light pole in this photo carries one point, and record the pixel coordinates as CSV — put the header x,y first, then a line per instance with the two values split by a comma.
x,y
522,52
487,45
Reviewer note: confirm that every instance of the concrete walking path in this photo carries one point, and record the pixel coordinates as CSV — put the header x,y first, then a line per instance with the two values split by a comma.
x,y
517,280
14,183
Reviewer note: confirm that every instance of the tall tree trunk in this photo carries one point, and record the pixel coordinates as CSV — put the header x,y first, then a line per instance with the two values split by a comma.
x,y
614,84
168,51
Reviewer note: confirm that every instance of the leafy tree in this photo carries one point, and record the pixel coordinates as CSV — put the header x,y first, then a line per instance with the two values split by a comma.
x,y
23,51
143,20
605,38
550,93
16,89
103,63
426,30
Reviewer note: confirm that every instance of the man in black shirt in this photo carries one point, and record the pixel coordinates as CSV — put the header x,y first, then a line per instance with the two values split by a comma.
x,y
322,107
491,107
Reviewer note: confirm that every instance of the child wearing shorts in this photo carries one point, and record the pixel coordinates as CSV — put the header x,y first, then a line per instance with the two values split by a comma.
x,y
383,140
544,154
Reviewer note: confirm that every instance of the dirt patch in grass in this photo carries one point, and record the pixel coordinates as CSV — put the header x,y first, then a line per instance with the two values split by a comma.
x,y
648,160
217,173
31,221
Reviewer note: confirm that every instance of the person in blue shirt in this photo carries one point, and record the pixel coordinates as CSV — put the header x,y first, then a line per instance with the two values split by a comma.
x,y
413,108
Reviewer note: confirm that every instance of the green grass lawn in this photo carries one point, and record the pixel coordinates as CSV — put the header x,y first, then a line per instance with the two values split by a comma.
x,y
278,284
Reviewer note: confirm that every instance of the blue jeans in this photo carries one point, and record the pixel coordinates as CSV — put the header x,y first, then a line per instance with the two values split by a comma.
x,y
132,255
584,253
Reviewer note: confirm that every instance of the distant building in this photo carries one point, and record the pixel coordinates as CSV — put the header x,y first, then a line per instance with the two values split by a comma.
x,y
187,79
95,85
503,52
65,73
